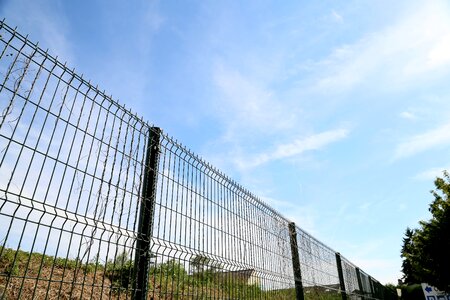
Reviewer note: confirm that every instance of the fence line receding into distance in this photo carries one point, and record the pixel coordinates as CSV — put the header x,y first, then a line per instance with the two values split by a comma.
x,y
96,203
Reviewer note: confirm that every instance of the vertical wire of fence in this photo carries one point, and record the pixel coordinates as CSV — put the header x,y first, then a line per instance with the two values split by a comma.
x,y
95,203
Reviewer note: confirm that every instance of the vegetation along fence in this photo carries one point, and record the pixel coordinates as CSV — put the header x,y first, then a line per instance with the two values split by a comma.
x,y
95,203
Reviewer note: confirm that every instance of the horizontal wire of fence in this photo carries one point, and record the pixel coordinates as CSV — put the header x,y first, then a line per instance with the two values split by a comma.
x,y
95,203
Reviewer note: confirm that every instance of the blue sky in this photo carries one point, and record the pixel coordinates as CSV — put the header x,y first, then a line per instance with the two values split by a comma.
x,y
335,113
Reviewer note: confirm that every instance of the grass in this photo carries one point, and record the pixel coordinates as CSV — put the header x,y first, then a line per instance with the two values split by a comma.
x,y
25,275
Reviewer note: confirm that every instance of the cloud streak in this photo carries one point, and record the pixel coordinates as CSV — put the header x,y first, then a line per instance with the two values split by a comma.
x,y
395,56
431,174
247,103
48,23
408,115
297,147
438,137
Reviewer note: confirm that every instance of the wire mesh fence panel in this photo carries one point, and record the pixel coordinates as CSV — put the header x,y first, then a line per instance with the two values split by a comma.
x,y
318,268
365,282
378,289
350,277
70,169
211,238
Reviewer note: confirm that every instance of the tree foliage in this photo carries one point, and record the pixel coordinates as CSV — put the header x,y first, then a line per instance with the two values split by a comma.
x,y
425,250
200,263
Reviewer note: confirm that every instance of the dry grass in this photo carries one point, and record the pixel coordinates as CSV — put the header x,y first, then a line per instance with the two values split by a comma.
x,y
64,284
36,276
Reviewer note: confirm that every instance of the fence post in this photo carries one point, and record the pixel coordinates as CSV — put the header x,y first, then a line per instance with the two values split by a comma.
x,y
296,262
377,290
372,290
360,286
145,227
341,276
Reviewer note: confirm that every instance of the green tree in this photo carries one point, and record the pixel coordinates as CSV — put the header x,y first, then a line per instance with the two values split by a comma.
x,y
171,268
120,270
200,263
409,255
425,251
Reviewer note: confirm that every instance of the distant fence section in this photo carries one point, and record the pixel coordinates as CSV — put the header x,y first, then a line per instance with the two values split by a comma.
x,y
96,203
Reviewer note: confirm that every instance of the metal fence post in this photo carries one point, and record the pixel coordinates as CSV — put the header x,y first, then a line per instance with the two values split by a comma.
x,y
360,286
143,255
372,290
377,290
296,262
341,276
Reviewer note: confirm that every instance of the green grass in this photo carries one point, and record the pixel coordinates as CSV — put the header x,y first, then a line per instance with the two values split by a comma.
x,y
17,262
168,280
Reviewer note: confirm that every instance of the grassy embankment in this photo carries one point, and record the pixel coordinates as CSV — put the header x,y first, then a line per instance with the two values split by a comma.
x,y
36,276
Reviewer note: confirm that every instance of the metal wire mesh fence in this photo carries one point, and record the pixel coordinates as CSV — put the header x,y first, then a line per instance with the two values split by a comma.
x,y
95,203
318,267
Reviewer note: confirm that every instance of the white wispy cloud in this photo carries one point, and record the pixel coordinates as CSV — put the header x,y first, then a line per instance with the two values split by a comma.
x,y
337,17
398,55
47,24
408,115
434,138
247,103
153,20
431,174
296,147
